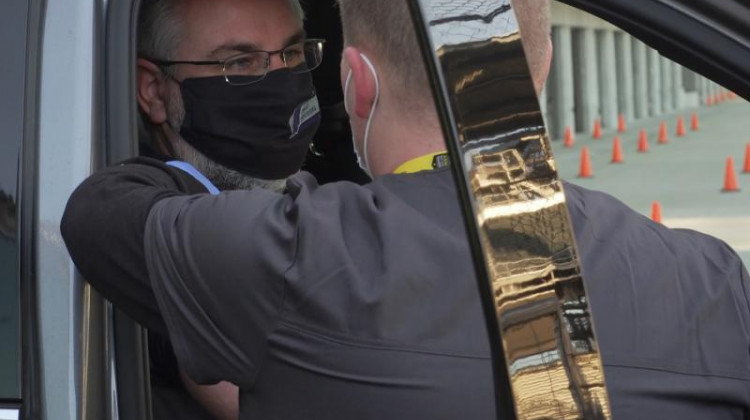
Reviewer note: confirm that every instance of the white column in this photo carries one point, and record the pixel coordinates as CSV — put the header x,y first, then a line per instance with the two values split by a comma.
x,y
586,73
703,89
690,95
667,91
654,82
640,78
607,78
624,51
561,83
677,86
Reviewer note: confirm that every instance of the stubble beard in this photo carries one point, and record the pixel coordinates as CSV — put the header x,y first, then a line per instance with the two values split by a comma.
x,y
225,179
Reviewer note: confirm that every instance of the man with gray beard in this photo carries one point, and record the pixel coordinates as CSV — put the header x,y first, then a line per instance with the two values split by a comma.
x,y
220,125
242,96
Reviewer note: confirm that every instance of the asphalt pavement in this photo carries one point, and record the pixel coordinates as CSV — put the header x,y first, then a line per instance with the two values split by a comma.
x,y
686,175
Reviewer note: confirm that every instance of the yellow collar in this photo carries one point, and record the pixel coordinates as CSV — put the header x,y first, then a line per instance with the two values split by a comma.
x,y
426,162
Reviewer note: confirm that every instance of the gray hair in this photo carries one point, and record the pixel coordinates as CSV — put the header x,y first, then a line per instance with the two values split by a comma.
x,y
159,29
225,179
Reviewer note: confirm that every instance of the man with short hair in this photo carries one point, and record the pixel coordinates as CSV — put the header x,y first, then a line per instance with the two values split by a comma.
x,y
342,301
199,107
208,91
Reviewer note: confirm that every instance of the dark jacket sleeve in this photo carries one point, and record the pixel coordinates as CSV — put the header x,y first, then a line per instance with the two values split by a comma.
x,y
103,229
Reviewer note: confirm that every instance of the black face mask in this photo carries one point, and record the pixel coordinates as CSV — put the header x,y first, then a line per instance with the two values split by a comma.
x,y
263,129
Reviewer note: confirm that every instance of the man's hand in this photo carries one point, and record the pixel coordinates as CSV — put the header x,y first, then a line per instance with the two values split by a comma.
x,y
220,400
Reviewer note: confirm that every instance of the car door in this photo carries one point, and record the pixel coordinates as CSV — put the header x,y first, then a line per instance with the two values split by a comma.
x,y
52,115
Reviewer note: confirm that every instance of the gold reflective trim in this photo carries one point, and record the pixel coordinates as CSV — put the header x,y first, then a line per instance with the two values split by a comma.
x,y
493,121
423,163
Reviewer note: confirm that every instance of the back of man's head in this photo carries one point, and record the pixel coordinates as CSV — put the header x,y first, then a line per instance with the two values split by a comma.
x,y
385,27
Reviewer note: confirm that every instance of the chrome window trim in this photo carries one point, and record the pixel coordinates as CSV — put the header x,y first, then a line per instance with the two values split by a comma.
x,y
546,361
33,403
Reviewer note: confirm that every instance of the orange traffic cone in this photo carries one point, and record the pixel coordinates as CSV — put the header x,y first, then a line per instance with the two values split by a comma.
x,y
680,126
730,177
732,96
694,124
656,212
597,129
586,171
569,141
746,168
642,142
709,101
717,99
617,151
663,136
621,127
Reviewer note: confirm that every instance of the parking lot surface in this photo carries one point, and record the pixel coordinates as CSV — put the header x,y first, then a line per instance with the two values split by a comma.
x,y
686,175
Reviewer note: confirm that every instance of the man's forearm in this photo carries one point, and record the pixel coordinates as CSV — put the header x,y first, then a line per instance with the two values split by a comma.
x,y
222,400
103,228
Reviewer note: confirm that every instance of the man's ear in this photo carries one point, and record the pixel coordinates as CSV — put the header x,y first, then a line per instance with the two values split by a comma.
x,y
149,89
363,82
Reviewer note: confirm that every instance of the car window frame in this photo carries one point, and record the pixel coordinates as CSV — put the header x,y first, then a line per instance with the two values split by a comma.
x,y
118,55
26,400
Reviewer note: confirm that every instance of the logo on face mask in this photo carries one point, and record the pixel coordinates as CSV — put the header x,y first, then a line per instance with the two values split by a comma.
x,y
303,115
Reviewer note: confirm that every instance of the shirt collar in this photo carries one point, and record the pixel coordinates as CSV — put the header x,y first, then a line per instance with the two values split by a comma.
x,y
426,162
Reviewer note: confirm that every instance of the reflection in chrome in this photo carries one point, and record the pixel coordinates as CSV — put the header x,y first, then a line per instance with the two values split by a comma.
x,y
547,333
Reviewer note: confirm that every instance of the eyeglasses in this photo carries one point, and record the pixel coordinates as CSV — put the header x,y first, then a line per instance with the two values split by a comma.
x,y
252,66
